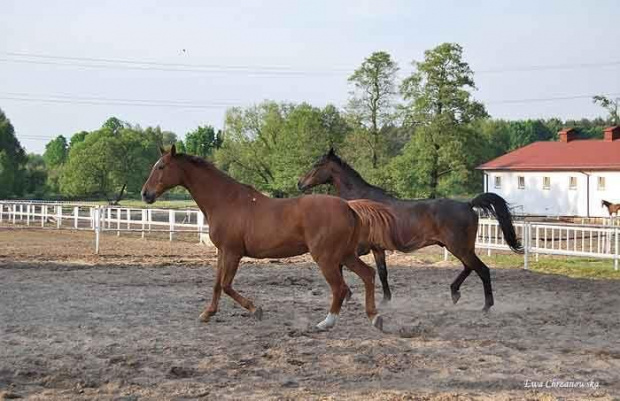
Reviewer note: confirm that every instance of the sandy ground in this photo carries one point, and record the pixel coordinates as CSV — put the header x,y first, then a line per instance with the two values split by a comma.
x,y
124,326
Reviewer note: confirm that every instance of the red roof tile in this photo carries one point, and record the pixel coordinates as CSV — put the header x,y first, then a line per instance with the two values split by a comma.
x,y
573,155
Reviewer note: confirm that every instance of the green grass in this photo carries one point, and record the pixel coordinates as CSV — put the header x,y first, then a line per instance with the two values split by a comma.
x,y
564,265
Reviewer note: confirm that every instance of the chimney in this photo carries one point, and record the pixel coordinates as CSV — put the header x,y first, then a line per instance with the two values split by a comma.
x,y
612,133
567,135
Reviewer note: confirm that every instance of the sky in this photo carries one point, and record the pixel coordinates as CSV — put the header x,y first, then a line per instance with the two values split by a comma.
x,y
68,65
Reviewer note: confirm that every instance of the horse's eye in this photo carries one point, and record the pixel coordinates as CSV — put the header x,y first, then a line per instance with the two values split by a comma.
x,y
161,166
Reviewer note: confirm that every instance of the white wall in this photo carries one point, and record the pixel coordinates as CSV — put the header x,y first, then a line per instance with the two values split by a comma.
x,y
558,200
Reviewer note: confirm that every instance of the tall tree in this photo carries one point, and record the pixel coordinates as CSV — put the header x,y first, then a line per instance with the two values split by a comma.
x,y
56,152
440,106
35,176
372,99
611,105
12,160
203,141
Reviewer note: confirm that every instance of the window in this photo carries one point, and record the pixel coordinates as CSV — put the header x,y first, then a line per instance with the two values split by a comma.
x,y
546,182
572,182
601,183
498,182
521,182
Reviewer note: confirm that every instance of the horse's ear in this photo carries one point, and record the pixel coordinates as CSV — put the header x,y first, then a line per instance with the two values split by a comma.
x,y
162,151
331,152
173,150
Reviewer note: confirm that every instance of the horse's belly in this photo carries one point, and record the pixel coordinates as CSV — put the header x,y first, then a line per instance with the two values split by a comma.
x,y
276,244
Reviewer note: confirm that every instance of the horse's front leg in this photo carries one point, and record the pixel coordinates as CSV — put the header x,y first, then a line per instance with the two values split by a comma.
x,y
217,291
230,264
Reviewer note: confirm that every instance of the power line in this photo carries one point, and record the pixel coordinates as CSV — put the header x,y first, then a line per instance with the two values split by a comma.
x,y
281,70
87,62
115,103
547,99
199,104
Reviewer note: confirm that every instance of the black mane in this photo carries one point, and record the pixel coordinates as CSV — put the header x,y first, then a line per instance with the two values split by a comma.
x,y
197,160
332,156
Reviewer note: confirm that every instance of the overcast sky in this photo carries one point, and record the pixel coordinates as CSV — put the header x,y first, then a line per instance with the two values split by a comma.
x,y
286,51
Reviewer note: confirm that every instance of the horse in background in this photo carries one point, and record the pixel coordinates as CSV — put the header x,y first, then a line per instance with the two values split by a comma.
x,y
612,208
244,222
444,222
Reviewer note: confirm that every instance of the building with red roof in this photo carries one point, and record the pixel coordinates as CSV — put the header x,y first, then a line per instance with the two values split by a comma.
x,y
570,177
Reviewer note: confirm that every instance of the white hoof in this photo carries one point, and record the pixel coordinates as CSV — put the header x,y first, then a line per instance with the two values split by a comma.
x,y
328,323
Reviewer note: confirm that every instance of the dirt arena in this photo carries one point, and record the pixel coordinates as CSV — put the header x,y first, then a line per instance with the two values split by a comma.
x,y
124,326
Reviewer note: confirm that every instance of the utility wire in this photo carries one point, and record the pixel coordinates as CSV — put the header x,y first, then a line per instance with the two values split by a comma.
x,y
281,70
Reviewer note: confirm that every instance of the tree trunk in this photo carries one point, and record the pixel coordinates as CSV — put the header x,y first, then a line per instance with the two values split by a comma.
x,y
434,174
119,196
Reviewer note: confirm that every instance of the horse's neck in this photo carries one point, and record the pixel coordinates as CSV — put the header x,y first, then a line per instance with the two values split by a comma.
x,y
211,189
349,186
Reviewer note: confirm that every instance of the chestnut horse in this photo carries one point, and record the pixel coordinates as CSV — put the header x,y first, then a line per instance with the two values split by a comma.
x,y
612,208
244,222
445,222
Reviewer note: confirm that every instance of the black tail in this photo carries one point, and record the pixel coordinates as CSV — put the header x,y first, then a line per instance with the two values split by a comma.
x,y
497,206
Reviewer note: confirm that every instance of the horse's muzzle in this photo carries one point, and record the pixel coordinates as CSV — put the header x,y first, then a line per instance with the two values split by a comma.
x,y
148,197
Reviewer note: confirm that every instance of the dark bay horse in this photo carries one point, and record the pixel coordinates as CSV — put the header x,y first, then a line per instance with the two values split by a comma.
x,y
244,222
445,222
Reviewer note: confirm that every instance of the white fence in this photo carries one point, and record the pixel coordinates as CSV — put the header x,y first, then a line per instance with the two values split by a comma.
x,y
593,241
91,217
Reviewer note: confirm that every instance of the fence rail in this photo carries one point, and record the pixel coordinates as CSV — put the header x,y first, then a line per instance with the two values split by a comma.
x,y
568,239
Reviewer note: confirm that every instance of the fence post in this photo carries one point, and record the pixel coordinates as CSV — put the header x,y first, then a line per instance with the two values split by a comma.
x,y
445,254
526,245
14,212
616,249
144,212
58,216
171,218
1,211
28,214
76,212
21,212
200,221
118,222
97,221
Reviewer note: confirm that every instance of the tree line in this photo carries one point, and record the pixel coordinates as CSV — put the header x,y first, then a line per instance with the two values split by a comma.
x,y
421,137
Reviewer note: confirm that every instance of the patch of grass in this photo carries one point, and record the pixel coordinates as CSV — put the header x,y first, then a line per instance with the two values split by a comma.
x,y
564,265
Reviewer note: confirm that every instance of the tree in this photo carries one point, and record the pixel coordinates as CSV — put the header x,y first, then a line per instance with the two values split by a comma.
x,y
12,160
611,105
440,107
77,138
203,141
35,176
270,145
372,100
109,161
56,152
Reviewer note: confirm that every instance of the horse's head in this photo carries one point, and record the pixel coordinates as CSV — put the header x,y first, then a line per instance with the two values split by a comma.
x,y
166,174
321,173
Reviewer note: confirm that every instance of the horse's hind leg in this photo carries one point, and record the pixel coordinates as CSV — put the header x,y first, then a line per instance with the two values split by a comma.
x,y
367,274
379,255
349,294
456,284
333,275
472,261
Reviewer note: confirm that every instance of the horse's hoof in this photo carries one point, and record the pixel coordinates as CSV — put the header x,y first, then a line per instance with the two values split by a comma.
x,y
486,309
328,322
258,313
377,322
456,295
205,316
385,301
